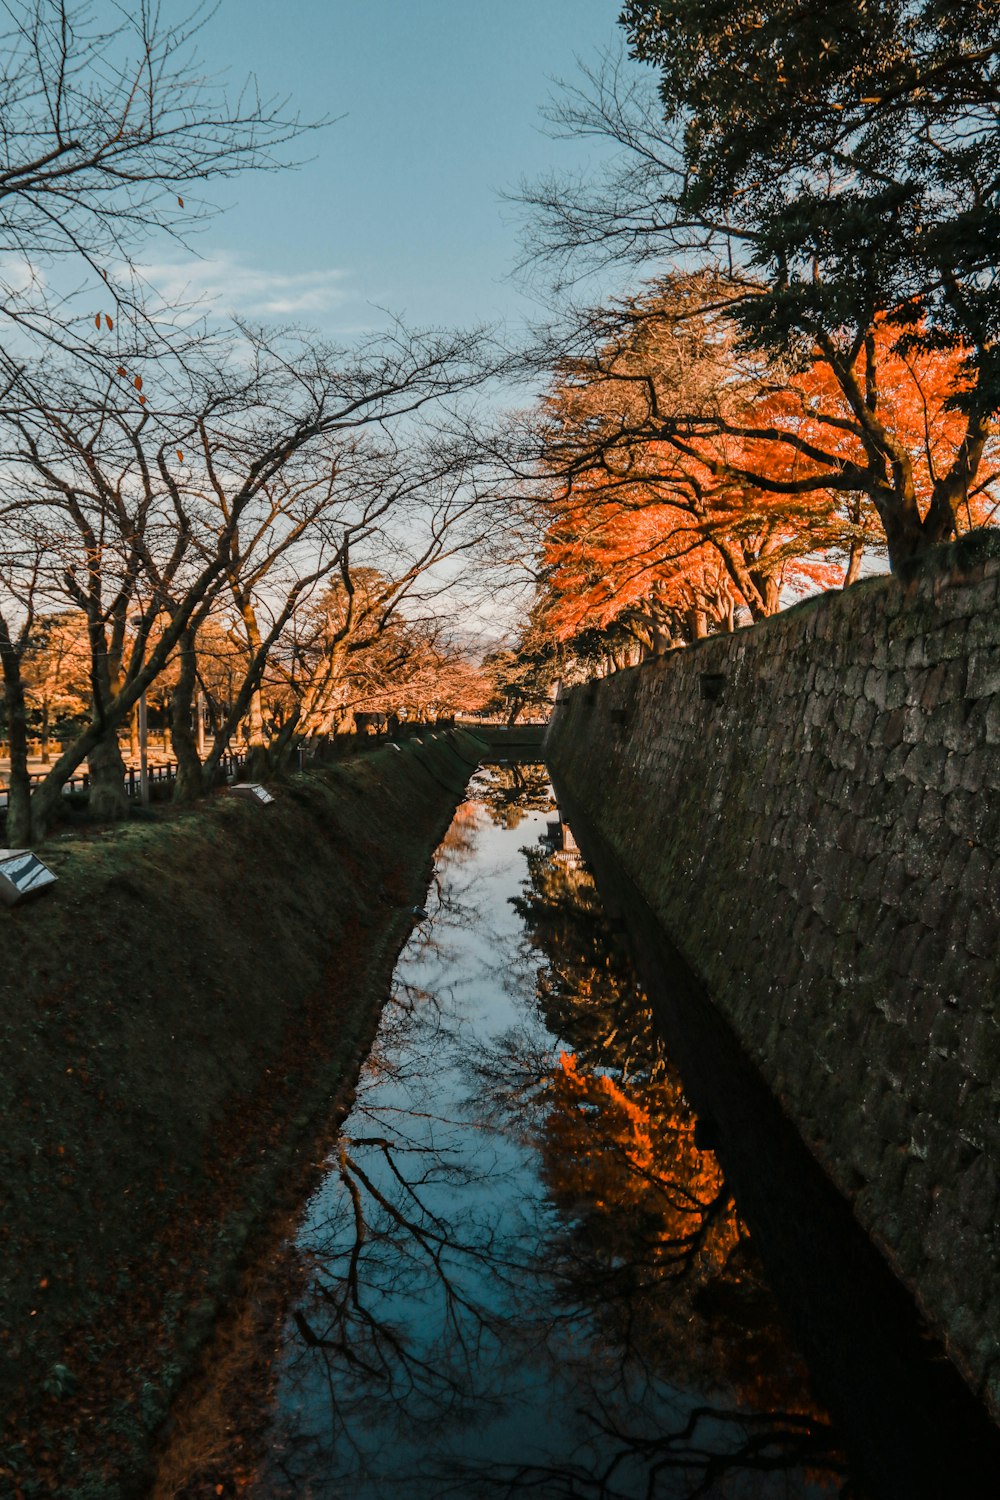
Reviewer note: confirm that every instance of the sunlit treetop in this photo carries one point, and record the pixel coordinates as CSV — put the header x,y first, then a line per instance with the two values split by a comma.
x,y
785,83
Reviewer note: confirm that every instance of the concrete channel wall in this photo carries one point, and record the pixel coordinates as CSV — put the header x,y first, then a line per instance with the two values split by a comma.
x,y
812,809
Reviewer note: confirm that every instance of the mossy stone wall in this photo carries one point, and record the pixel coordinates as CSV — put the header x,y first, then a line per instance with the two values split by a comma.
x,y
812,808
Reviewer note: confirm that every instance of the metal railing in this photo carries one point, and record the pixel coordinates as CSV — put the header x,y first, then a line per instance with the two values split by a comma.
x,y
162,774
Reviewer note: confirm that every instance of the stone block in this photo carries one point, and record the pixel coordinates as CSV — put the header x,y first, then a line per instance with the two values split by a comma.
x,y
984,674
843,711
943,1087
894,762
876,683
892,1166
954,726
931,956
969,598
978,1119
968,772
991,720
897,688
948,643
981,632
979,1047
981,932
917,653
974,878
937,904
960,815
915,1202
862,719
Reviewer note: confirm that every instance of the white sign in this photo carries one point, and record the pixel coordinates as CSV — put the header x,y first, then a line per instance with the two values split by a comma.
x,y
22,874
253,790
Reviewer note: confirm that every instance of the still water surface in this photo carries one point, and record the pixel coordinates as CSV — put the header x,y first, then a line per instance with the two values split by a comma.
x,y
526,1275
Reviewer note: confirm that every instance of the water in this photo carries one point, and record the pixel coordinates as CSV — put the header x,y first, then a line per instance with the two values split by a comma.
x,y
526,1274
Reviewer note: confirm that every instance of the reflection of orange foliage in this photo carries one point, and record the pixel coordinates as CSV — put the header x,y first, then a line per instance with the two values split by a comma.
x,y
636,1148
652,1243
458,839
663,1238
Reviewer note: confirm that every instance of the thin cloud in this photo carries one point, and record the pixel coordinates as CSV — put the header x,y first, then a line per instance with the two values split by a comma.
x,y
225,284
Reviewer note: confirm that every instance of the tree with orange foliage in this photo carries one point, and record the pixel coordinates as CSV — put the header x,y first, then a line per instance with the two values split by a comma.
x,y
56,674
685,475
650,519
828,262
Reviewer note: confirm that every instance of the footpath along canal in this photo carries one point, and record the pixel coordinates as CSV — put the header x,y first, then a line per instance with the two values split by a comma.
x,y
525,1271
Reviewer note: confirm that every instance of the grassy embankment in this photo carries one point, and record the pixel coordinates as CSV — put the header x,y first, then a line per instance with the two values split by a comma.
x,y
178,1015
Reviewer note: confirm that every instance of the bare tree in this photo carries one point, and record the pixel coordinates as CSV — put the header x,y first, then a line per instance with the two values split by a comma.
x,y
107,129
372,516
140,515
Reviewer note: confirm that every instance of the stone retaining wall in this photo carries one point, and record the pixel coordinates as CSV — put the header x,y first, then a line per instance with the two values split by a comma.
x,y
812,808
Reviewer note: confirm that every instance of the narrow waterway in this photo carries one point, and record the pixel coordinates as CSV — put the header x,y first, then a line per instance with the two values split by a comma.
x,y
526,1271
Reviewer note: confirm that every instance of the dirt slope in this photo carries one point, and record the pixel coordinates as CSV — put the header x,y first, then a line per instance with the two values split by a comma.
x,y
177,1017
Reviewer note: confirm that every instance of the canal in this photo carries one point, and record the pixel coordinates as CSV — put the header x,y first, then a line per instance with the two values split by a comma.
x,y
527,1271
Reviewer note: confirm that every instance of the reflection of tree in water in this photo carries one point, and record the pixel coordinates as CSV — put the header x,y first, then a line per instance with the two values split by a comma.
x,y
652,1220
649,1237
510,791
403,1241
629,1284
393,1324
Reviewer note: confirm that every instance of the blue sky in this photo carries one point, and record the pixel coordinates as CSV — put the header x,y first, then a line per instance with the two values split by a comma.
x,y
400,207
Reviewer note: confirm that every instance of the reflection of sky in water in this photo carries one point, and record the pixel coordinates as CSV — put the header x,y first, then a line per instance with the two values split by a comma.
x,y
436,1352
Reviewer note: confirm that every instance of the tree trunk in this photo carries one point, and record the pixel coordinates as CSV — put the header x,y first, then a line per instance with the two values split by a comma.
x,y
200,723
108,802
188,785
258,759
854,557
905,535
286,742
697,624
19,780
749,581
